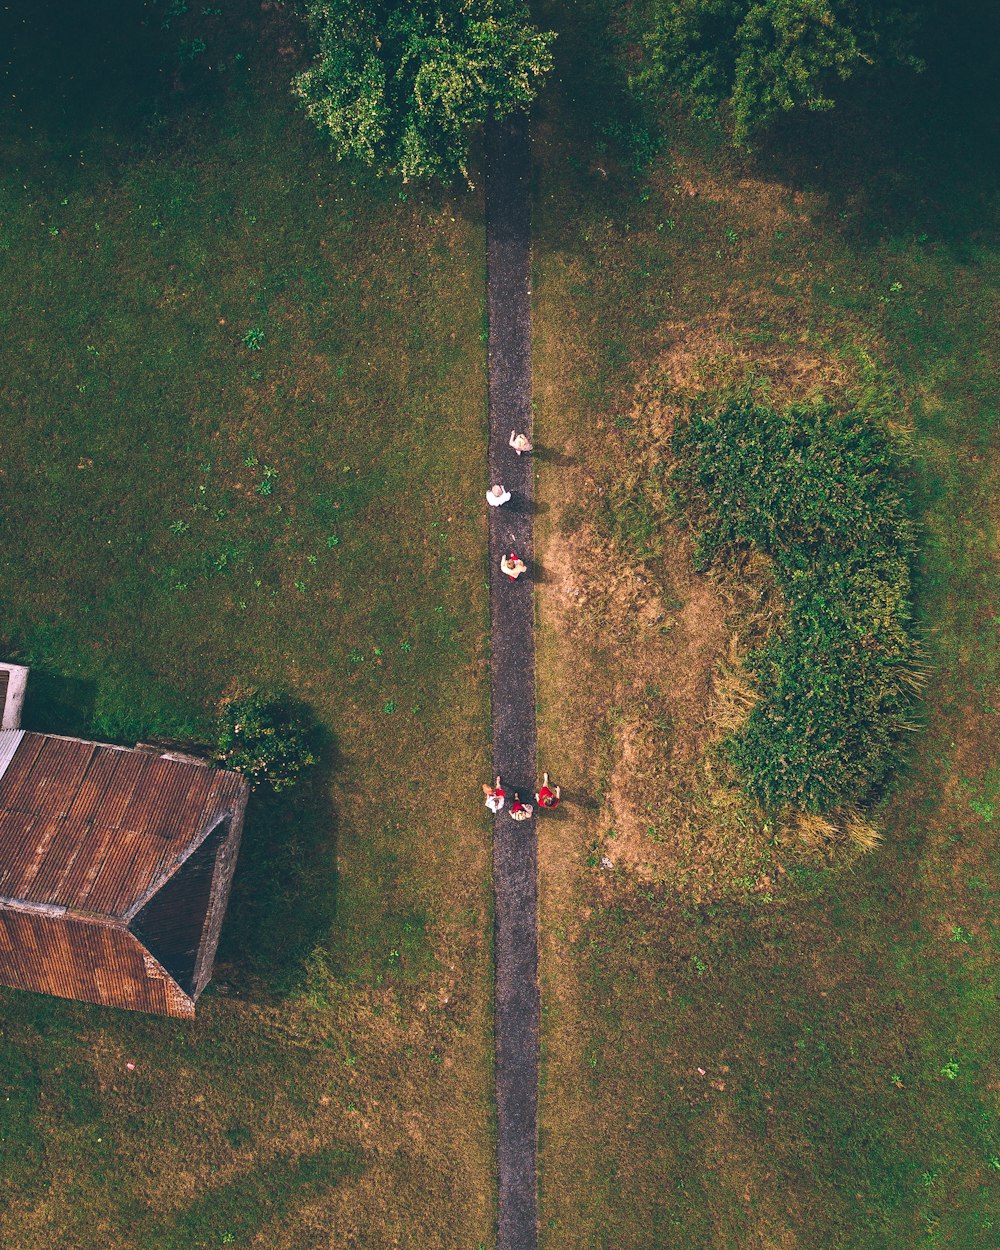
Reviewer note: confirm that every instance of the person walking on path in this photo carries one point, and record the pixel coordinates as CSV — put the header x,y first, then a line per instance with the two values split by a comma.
x,y
546,797
497,495
494,796
513,566
519,810
520,442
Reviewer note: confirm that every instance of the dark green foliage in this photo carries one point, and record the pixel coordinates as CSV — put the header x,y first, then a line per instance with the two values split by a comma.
x,y
266,740
404,84
815,490
765,58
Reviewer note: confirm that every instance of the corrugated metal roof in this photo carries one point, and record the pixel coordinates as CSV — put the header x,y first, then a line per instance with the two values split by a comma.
x,y
85,958
92,828
10,740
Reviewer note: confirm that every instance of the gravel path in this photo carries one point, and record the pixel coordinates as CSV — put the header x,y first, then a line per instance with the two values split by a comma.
x,y
515,849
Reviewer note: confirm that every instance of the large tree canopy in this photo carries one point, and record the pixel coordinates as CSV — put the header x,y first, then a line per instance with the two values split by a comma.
x,y
403,84
766,57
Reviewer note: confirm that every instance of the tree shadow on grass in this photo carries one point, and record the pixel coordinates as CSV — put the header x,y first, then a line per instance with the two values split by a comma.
x,y
235,1212
907,154
100,84
284,896
902,153
74,69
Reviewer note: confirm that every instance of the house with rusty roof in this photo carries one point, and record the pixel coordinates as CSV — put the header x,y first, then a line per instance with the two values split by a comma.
x,y
115,866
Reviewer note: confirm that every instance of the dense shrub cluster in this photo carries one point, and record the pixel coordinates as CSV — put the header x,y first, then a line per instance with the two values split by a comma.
x,y
816,491
266,740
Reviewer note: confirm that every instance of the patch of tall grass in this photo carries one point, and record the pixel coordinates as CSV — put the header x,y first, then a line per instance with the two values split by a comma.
x,y
817,490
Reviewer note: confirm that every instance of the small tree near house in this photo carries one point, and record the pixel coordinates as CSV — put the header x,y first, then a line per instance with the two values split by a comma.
x,y
266,740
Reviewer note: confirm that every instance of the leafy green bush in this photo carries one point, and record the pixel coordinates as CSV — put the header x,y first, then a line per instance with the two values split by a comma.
x,y
817,492
403,84
266,740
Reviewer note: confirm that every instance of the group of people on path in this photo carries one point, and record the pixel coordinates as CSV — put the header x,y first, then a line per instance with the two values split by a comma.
x,y
513,566
496,796
511,563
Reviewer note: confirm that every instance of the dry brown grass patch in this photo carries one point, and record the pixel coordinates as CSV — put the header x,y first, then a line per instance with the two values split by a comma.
x,y
715,355
734,695
820,835
862,833
754,202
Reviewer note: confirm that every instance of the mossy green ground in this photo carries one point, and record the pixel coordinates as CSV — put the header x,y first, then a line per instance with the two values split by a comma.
x,y
243,430
807,1067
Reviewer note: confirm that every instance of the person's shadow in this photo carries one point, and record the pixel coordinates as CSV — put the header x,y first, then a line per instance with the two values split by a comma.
x,y
549,455
521,506
570,799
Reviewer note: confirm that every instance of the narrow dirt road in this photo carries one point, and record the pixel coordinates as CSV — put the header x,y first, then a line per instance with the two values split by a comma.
x,y
515,848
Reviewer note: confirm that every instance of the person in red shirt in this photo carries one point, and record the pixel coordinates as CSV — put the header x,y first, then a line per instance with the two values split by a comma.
x,y
546,797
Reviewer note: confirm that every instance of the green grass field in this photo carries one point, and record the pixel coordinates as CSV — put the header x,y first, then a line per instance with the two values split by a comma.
x,y
244,421
244,426
764,1056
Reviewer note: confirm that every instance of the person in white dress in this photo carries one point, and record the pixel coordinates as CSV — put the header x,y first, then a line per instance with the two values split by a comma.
x,y
494,796
497,495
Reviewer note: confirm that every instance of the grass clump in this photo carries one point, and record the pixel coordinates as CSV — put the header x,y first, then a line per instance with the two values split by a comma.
x,y
816,491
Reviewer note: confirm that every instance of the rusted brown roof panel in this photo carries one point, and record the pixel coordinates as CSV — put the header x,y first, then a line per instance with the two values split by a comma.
x,y
18,770
17,838
49,789
85,867
182,800
58,862
128,768
92,828
156,779
125,849
44,835
153,857
92,792
93,961
225,793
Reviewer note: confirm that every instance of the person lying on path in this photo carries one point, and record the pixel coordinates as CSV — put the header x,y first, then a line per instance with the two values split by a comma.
x,y
497,495
519,442
513,566
546,797
494,796
519,810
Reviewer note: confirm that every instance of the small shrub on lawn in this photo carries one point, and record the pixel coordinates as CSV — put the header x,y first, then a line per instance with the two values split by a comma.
x,y
816,491
266,740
